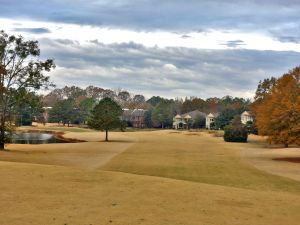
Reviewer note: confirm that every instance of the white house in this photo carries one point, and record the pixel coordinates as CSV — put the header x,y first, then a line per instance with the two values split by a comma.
x,y
178,122
210,120
183,121
246,117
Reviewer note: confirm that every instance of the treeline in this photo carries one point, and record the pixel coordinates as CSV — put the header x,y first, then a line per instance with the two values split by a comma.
x,y
276,107
73,104
122,97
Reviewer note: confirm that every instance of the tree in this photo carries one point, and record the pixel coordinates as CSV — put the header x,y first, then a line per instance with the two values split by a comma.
x,y
124,96
163,113
84,109
140,99
199,121
54,96
20,69
63,111
278,113
193,104
94,92
251,127
225,118
28,110
147,118
155,100
264,88
108,94
73,92
187,106
106,115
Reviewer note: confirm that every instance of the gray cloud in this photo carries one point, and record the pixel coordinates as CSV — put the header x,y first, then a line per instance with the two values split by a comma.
x,y
234,44
39,30
290,39
287,33
175,15
185,36
168,72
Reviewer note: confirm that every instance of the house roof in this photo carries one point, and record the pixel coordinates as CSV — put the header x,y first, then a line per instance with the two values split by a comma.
x,y
210,115
246,113
178,116
138,112
129,114
213,115
194,114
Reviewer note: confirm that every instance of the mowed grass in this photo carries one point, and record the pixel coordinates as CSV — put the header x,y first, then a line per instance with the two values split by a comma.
x,y
198,157
148,178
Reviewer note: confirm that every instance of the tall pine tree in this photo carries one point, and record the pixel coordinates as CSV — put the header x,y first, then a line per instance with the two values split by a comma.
x,y
105,116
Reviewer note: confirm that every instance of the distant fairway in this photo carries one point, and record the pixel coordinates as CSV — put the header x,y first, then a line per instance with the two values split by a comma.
x,y
153,177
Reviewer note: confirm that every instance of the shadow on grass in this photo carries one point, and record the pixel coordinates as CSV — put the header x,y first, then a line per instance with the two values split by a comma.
x,y
117,141
292,160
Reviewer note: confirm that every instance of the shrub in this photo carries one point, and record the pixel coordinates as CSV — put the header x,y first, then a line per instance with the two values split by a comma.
x,y
252,129
235,133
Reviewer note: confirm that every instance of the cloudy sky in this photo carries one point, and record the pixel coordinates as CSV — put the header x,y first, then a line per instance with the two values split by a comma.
x,y
172,48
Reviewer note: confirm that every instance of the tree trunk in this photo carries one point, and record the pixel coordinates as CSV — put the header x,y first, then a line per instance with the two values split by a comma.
x,y
286,145
2,139
106,135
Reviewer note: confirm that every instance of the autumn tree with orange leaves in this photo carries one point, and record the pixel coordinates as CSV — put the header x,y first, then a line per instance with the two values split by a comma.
x,y
278,110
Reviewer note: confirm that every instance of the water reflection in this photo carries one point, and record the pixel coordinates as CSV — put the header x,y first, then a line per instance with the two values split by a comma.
x,y
35,138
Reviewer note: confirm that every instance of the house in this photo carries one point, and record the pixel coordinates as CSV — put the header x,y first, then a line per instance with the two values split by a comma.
x,y
135,117
138,118
210,120
246,117
179,122
126,115
184,121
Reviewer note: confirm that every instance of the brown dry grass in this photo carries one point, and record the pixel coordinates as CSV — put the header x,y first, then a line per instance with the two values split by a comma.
x,y
268,159
143,178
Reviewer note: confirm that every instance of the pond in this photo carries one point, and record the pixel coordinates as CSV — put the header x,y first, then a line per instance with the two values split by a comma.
x,y
35,138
